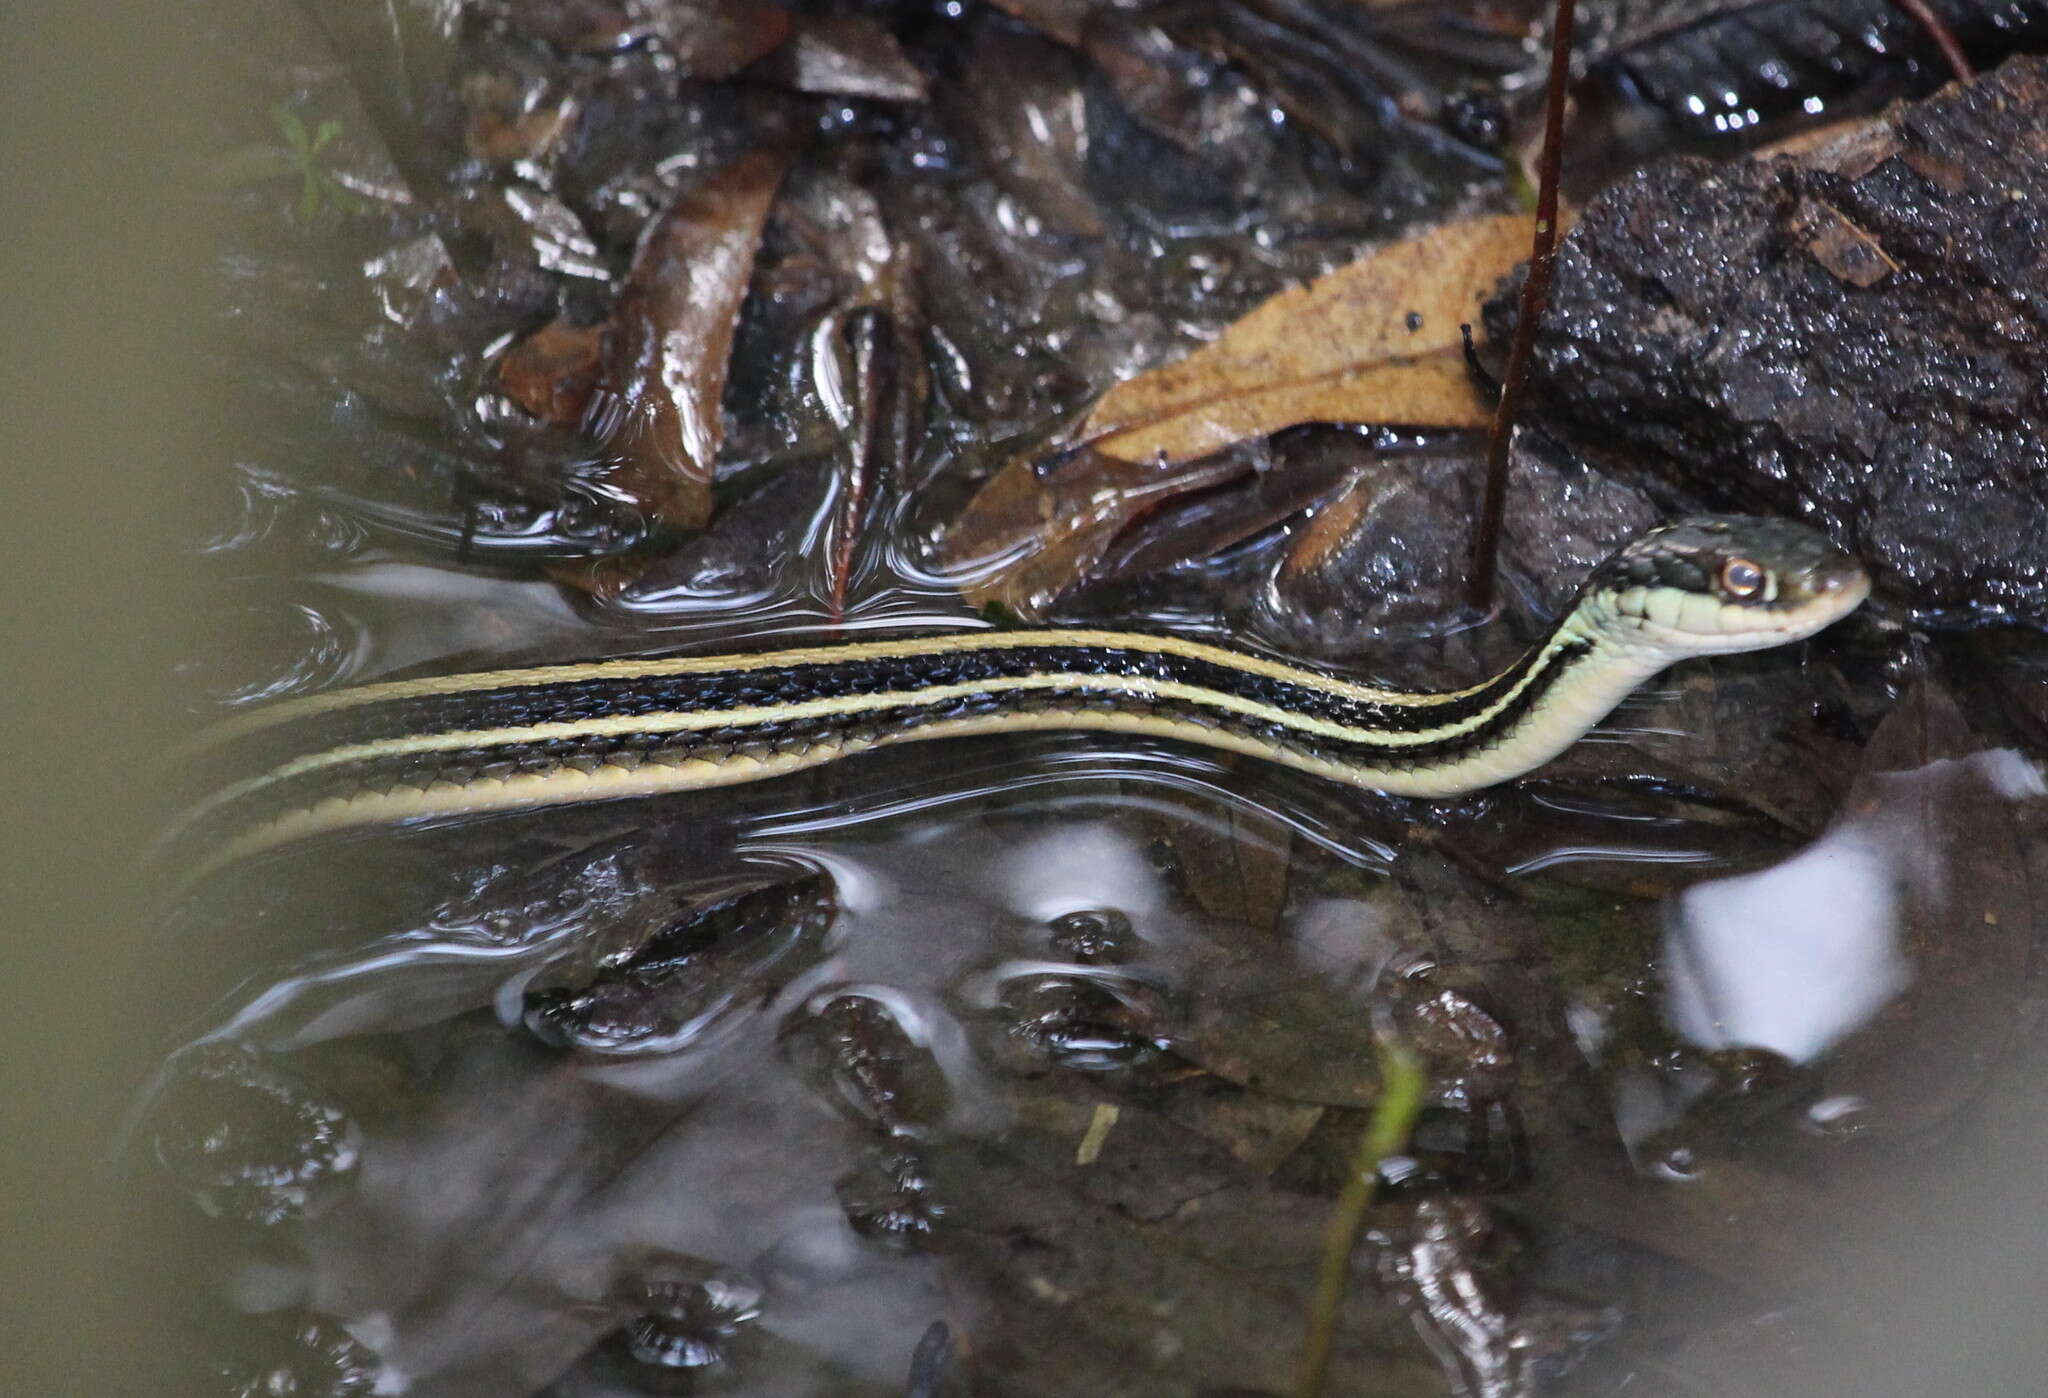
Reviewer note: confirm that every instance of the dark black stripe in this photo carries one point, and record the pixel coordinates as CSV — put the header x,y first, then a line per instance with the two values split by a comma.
x,y
521,705
420,770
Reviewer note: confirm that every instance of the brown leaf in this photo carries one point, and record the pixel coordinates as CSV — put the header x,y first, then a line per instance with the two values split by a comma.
x,y
552,372
1377,341
672,335
1026,537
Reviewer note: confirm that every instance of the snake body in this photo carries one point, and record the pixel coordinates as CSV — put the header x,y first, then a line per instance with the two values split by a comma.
x,y
551,735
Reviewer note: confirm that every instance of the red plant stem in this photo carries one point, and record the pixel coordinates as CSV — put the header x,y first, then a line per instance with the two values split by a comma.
x,y
1943,36
1535,292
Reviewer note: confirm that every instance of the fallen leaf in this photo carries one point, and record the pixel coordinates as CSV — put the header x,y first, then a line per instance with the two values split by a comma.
x,y
1377,341
552,372
1028,112
672,336
1026,537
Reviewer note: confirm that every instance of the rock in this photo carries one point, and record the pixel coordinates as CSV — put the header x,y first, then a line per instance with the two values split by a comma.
x,y
1857,336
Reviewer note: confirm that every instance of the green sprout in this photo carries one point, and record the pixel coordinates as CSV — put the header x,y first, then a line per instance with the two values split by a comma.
x,y
300,159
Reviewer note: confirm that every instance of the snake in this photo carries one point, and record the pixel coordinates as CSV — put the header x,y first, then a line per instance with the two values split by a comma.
x,y
410,750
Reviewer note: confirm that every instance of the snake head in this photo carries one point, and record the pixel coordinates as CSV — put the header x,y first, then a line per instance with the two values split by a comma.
x,y
1713,584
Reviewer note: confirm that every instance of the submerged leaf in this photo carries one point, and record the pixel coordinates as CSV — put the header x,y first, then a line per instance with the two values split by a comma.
x,y
672,336
552,372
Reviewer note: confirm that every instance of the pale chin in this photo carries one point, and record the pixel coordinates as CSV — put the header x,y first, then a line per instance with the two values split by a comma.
x,y
1793,628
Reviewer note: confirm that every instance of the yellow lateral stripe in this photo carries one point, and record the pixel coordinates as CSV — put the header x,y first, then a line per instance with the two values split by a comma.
x,y
842,706
566,785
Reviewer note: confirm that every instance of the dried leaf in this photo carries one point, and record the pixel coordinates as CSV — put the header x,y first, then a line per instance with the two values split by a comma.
x,y
672,336
1377,341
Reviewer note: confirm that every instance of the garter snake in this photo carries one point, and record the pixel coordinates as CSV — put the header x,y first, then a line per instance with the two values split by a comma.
x,y
550,735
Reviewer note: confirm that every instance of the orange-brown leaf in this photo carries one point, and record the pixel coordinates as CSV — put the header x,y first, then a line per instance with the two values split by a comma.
x,y
1375,341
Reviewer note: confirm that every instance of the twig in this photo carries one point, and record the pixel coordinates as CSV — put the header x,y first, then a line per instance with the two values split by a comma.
x,y
1943,36
870,334
1393,1119
1535,291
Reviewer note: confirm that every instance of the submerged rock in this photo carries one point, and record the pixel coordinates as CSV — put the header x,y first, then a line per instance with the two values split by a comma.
x,y
1857,336
248,1140
305,1356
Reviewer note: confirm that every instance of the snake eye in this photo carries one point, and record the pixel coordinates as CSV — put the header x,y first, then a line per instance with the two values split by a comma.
x,y
1741,578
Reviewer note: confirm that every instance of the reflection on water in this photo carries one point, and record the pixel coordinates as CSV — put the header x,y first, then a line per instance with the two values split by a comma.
x,y
852,1073
1792,958
1796,957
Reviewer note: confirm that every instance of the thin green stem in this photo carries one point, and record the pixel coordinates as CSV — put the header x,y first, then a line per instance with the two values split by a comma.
x,y
1393,1121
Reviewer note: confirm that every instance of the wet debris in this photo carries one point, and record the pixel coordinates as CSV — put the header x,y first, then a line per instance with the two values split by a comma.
x,y
932,1367
1945,808
247,1139
1436,1261
1376,341
1095,937
687,1322
307,1356
640,990
1029,116
1089,1024
553,372
1384,557
743,555
858,1055
671,339
705,39
1725,75
1851,336
845,55
889,1197
1467,1052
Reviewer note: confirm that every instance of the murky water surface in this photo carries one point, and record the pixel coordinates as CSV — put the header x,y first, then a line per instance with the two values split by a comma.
x,y
1031,1066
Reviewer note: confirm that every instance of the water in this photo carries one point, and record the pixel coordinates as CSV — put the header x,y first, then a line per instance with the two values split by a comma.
x,y
1053,1048
867,1110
